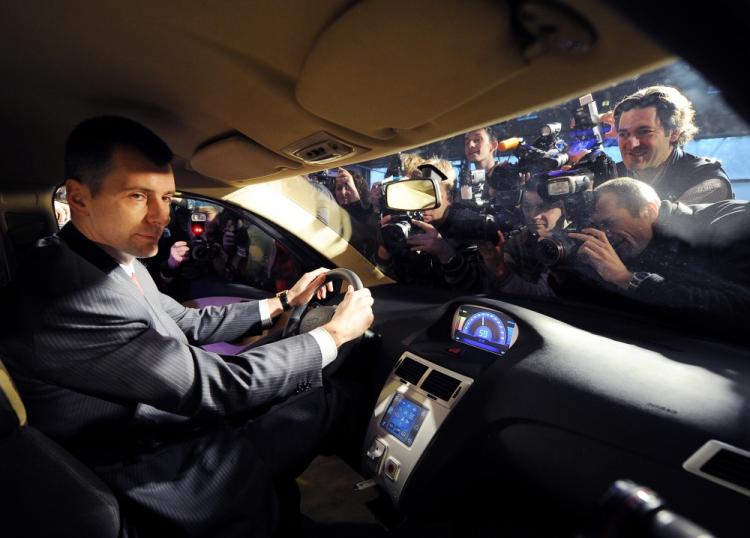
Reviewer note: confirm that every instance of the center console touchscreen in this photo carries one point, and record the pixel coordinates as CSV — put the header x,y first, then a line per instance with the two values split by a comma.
x,y
483,328
403,418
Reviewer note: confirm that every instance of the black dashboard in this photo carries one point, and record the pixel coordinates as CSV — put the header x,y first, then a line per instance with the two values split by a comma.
x,y
554,400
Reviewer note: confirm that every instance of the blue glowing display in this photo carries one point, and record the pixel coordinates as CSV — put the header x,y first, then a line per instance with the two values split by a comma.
x,y
403,418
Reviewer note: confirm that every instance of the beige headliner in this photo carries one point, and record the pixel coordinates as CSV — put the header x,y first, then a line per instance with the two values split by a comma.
x,y
229,87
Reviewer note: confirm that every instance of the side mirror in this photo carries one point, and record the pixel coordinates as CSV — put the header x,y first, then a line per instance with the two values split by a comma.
x,y
412,194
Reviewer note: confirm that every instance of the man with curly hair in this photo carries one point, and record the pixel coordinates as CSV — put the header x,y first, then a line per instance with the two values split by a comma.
x,y
653,125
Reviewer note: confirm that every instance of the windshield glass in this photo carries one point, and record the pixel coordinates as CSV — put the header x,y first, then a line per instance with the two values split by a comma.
x,y
625,198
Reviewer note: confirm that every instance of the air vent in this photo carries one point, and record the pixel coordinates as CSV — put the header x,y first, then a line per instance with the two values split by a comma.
x,y
440,385
410,370
726,465
722,463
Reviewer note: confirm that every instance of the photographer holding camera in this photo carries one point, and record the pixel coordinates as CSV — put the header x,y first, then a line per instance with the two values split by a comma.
x,y
691,261
208,254
428,255
512,263
480,146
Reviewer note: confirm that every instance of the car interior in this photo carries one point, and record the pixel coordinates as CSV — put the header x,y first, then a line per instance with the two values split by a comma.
x,y
518,438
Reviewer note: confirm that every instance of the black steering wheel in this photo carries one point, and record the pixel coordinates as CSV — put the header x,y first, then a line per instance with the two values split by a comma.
x,y
305,318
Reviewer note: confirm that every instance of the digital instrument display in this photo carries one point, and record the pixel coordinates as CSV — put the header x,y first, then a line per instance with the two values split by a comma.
x,y
403,418
483,328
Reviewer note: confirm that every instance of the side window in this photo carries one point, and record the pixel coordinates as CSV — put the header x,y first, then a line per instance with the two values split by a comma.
x,y
211,250
62,211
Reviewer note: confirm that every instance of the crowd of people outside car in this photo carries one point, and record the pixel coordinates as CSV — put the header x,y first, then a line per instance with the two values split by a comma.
x,y
626,246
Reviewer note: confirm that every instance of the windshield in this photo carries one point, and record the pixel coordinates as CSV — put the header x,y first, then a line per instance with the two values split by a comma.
x,y
628,197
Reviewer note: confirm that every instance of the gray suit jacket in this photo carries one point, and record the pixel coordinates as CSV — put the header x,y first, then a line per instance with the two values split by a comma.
x,y
103,367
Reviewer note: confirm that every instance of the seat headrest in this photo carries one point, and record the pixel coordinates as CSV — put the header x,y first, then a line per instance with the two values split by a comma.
x,y
12,411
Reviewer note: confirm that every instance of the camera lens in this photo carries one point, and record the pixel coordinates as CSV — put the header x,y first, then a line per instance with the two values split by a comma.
x,y
549,251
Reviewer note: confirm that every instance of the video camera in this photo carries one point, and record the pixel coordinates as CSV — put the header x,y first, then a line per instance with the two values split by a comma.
x,y
201,248
548,152
575,195
404,201
471,184
325,178
502,213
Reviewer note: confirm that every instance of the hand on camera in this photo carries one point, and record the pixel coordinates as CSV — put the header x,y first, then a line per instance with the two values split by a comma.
x,y
431,242
494,256
598,252
178,254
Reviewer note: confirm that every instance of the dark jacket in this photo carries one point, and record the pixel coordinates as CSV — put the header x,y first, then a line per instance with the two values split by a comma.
x,y
684,171
701,256
697,265
117,378
465,271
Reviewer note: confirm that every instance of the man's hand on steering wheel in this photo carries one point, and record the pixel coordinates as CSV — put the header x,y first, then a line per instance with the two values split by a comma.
x,y
307,286
353,316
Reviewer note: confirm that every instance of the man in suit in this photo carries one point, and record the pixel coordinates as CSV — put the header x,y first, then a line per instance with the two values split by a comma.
x,y
193,443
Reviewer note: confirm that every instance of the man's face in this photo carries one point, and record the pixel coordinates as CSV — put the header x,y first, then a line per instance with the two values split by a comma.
x,y
540,216
128,214
643,142
627,234
478,147
436,216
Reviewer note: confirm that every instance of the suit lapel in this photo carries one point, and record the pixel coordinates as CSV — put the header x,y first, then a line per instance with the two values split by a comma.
x,y
150,300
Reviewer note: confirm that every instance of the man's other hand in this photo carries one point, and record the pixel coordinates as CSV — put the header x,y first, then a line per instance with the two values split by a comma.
x,y
178,254
353,316
307,286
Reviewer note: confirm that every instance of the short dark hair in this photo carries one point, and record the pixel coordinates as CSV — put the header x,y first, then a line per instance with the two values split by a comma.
x,y
491,134
674,110
631,194
89,148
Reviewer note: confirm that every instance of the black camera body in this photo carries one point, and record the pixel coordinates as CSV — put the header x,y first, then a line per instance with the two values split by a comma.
x,y
482,224
398,230
574,193
548,152
325,178
201,248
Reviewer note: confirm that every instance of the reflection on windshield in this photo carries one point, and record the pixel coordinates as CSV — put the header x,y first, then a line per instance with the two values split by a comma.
x,y
597,200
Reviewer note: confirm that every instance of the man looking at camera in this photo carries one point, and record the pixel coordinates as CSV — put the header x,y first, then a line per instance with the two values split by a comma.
x,y
191,442
653,125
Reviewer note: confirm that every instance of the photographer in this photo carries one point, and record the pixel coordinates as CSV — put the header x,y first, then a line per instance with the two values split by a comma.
x,y
431,257
512,264
480,146
670,254
353,194
653,125
206,257
693,262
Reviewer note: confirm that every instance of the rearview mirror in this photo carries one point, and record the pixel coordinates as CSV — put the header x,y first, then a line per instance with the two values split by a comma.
x,y
412,194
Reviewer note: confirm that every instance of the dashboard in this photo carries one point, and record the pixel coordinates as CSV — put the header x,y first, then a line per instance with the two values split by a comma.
x,y
479,394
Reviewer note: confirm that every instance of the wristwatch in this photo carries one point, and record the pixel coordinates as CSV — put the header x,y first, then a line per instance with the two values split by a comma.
x,y
282,295
637,279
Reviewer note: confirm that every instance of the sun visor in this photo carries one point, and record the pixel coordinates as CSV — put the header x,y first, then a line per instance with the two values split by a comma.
x,y
236,158
408,69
